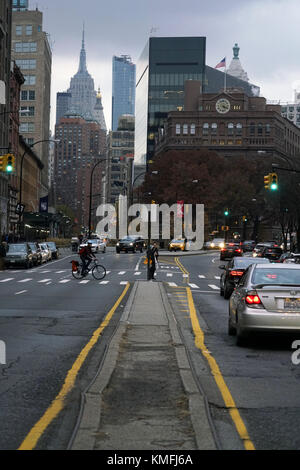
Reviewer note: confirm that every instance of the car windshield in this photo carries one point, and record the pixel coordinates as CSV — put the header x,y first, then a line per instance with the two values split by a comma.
x,y
276,276
32,246
94,242
177,241
17,248
51,245
245,262
127,239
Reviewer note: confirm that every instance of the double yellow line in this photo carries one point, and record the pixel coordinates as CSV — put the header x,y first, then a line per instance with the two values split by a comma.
x,y
58,403
183,270
215,370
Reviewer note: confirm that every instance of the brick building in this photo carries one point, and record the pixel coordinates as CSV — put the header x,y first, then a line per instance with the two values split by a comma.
x,y
82,144
231,123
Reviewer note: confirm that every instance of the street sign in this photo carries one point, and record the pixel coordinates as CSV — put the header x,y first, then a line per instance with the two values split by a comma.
x,y
20,209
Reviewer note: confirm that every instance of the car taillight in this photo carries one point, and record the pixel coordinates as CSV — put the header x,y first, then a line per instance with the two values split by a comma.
x,y
238,250
230,244
236,273
223,249
252,299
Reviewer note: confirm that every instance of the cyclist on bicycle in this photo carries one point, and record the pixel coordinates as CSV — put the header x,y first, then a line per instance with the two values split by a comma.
x,y
86,256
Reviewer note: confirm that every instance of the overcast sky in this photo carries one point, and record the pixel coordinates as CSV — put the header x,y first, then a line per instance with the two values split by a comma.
x,y
267,32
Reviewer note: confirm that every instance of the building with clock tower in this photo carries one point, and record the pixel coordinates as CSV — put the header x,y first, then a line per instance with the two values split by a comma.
x,y
229,122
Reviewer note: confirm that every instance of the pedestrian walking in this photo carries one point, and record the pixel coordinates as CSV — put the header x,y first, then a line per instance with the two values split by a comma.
x,y
152,257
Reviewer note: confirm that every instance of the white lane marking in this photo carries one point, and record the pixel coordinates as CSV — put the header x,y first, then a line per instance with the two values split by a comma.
x,y
217,277
172,284
104,282
26,280
137,273
214,259
121,273
138,264
123,283
185,275
194,286
44,280
44,272
84,282
8,279
64,281
21,292
59,272
201,276
107,272
212,286
169,275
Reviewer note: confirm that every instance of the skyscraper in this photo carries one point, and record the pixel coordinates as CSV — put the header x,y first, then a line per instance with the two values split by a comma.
x,y
63,101
162,69
32,54
123,88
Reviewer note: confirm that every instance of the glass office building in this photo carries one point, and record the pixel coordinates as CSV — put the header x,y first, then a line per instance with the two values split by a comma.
x,y
123,88
163,67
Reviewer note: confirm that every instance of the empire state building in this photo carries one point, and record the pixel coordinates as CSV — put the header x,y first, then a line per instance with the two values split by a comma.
x,y
83,96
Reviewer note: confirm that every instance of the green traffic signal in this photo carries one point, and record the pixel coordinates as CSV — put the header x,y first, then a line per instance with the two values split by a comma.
x,y
274,182
226,212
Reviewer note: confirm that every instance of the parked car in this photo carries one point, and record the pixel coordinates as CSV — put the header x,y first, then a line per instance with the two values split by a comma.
x,y
273,253
217,243
131,243
290,258
266,299
36,253
233,272
18,254
177,244
54,250
248,245
46,252
230,250
97,245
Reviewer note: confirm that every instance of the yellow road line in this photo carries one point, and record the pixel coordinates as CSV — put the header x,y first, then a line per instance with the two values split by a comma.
x,y
227,397
57,405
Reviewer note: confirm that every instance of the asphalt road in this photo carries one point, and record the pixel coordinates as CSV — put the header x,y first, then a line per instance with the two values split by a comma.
x,y
261,377
47,317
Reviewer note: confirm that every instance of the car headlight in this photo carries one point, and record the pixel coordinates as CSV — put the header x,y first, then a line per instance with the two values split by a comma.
x,y
118,244
212,245
131,244
222,245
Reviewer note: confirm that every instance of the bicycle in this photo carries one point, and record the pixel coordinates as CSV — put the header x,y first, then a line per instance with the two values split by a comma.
x,y
98,271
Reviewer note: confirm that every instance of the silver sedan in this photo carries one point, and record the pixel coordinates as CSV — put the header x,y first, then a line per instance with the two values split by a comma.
x,y
267,298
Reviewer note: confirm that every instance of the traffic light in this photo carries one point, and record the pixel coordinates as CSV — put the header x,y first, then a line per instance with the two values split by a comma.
x,y
9,163
245,218
267,181
226,212
274,182
1,163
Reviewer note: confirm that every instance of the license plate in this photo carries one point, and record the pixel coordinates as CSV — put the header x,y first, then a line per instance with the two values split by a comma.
x,y
292,304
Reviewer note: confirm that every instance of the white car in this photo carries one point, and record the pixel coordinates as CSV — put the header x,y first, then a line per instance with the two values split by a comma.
x,y
46,252
97,245
217,244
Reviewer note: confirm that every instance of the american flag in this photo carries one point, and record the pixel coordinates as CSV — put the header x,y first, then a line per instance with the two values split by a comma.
x,y
221,64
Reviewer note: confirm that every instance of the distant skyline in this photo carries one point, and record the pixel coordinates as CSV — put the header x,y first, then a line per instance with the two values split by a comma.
x,y
266,31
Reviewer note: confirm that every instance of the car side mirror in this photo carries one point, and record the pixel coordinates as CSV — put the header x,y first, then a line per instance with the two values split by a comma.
x,y
222,266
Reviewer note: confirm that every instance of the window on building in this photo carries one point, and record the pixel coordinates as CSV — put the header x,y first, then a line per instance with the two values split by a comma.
x,y
239,128
252,128
25,47
27,95
27,111
29,30
185,129
26,127
177,129
193,129
205,128
214,128
268,128
19,30
30,79
230,128
26,64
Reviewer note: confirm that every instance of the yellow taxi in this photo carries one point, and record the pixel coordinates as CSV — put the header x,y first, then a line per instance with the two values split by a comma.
x,y
175,245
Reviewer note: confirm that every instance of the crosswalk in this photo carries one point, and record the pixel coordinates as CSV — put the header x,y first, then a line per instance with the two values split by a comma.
x,y
172,275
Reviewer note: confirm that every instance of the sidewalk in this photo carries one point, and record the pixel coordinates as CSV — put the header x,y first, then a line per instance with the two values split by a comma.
x,y
145,397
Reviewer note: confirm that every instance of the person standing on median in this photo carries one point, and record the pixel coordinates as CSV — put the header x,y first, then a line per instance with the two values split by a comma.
x,y
152,257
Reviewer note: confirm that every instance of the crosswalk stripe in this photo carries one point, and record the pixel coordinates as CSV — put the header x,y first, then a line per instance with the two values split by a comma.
x,y
44,272
194,286
26,280
121,273
201,276
212,286
44,280
137,274
217,277
169,275
122,283
64,281
8,279
21,292
59,272
84,282
172,284
104,282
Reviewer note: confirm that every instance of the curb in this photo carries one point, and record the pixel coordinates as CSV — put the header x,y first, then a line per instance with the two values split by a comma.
x,y
190,253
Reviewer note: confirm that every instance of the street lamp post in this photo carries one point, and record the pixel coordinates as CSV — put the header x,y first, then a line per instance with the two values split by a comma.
x,y
21,177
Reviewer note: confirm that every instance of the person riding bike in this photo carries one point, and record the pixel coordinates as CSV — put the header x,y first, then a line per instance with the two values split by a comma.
x,y
86,256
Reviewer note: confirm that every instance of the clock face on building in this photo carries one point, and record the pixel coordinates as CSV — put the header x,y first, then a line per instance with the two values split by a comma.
x,y
223,105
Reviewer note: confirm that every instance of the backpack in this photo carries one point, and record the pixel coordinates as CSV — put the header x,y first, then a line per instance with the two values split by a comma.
x,y
83,250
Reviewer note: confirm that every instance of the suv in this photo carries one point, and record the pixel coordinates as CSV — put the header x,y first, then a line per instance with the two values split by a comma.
x,y
217,244
130,243
230,250
19,254
271,252
248,245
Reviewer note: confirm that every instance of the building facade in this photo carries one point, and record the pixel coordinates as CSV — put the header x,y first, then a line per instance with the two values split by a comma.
x,y
5,69
119,164
123,88
63,102
82,144
32,54
231,123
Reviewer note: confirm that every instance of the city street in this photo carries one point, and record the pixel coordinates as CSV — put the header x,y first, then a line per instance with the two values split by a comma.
x,y
47,318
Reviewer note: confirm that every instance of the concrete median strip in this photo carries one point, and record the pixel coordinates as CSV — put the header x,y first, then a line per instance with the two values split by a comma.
x,y
125,408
